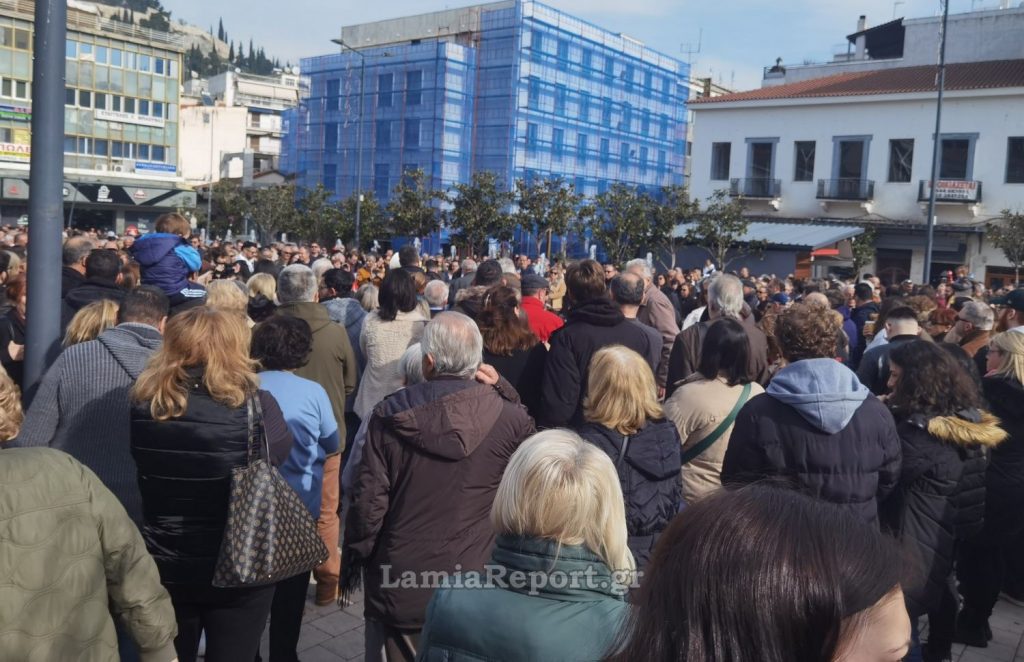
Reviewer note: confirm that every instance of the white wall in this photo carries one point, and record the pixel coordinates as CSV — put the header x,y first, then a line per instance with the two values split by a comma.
x,y
198,155
993,114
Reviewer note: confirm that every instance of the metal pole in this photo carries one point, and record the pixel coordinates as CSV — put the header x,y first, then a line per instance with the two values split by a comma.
x,y
209,191
936,143
46,184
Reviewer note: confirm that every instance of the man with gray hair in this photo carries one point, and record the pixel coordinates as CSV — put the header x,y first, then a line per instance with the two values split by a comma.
x,y
333,365
434,456
657,312
627,292
464,280
725,299
973,327
73,255
436,294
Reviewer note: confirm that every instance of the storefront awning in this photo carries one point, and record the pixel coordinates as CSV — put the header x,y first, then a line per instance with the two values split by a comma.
x,y
796,235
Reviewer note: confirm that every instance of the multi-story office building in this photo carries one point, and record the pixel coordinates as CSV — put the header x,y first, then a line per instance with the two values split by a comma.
x,y
513,87
120,119
231,124
851,145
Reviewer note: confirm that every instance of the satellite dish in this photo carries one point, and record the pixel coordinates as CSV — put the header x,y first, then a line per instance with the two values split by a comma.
x,y
295,70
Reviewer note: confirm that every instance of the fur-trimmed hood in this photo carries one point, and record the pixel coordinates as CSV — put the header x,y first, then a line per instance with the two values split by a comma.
x,y
968,428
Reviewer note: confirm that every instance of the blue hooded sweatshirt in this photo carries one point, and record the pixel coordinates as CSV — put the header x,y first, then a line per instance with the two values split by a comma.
x,y
823,391
166,261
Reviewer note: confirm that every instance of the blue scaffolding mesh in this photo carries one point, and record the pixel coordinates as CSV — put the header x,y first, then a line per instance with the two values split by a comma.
x,y
533,92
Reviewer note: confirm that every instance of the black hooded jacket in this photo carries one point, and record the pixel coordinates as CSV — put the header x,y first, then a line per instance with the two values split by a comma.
x,y
1005,477
649,472
940,497
590,326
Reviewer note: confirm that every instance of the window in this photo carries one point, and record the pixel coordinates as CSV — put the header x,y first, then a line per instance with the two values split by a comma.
x,y
115,104
1015,161
102,54
333,92
666,88
330,177
557,141
581,148
70,144
22,90
116,57
563,50
158,109
663,130
70,46
626,123
560,94
804,171
83,145
100,147
643,158
144,107
648,80
143,152
412,133
624,153
117,149
158,153
129,105
533,94
385,84
537,41
69,93
160,66
145,63
955,158
606,113
330,137
645,123
22,39
100,101
662,160
720,154
130,59
85,98
627,74
587,60
531,136
901,159
605,151
382,180
584,107
413,87
609,68
383,133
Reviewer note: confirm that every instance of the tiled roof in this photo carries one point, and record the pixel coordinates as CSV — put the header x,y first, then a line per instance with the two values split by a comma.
x,y
963,76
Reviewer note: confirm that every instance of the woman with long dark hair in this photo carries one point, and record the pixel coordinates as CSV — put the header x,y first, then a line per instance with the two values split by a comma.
x,y
981,564
702,408
940,497
509,344
386,333
12,329
768,574
190,429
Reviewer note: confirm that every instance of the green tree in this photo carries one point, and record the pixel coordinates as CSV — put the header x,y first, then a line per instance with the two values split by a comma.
x,y
371,220
412,207
675,208
318,219
624,221
863,248
272,209
479,211
548,206
229,205
1007,234
719,227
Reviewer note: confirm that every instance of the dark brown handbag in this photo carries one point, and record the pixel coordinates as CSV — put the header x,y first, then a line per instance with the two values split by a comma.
x,y
270,534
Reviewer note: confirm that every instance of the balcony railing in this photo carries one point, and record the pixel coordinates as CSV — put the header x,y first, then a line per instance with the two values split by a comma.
x,y
950,190
846,189
755,187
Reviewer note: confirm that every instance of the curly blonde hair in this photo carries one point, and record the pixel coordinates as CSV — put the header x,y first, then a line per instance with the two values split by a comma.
x,y
215,341
92,320
11,414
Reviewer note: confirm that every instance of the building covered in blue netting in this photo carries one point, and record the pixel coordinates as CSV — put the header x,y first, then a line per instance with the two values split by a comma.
x,y
513,87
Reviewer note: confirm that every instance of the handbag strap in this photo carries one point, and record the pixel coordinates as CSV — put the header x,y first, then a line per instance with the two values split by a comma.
x,y
708,441
256,430
622,451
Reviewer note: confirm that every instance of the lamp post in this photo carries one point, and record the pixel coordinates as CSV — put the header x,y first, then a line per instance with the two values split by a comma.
x,y
941,84
359,138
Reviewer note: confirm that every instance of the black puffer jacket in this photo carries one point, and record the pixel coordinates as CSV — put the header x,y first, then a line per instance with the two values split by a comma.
x,y
819,427
649,473
941,493
591,325
185,478
1004,480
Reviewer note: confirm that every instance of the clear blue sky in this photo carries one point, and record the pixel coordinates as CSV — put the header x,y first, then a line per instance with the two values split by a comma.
x,y
739,36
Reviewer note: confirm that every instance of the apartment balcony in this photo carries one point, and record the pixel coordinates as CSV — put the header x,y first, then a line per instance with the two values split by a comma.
x,y
950,190
846,189
756,187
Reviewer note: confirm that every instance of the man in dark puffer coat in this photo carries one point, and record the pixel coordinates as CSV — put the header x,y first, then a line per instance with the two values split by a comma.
x,y
816,424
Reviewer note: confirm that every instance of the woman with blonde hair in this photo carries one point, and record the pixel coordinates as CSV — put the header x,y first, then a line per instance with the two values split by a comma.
x,y
560,565
228,295
192,408
624,419
11,414
981,564
92,320
262,296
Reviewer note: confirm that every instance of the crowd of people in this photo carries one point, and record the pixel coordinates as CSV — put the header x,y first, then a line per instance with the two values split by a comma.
x,y
558,461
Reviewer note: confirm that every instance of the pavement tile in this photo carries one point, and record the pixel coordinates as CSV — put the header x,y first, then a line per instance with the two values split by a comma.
x,y
348,646
336,623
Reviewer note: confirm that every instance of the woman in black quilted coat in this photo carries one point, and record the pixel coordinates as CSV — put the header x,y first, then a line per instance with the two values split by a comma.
x,y
625,420
940,498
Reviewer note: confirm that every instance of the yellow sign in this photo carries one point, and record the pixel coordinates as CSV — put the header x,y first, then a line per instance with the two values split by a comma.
x,y
15,151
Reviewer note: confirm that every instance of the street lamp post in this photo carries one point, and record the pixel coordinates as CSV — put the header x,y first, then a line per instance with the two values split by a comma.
x,y
359,138
936,144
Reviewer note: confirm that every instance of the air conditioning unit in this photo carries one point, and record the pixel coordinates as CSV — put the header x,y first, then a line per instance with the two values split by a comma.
x,y
119,168
102,167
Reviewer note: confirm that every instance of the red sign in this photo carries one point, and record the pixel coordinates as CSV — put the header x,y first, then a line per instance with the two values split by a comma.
x,y
140,194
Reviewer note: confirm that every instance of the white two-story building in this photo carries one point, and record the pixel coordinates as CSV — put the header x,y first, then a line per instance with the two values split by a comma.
x,y
854,149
